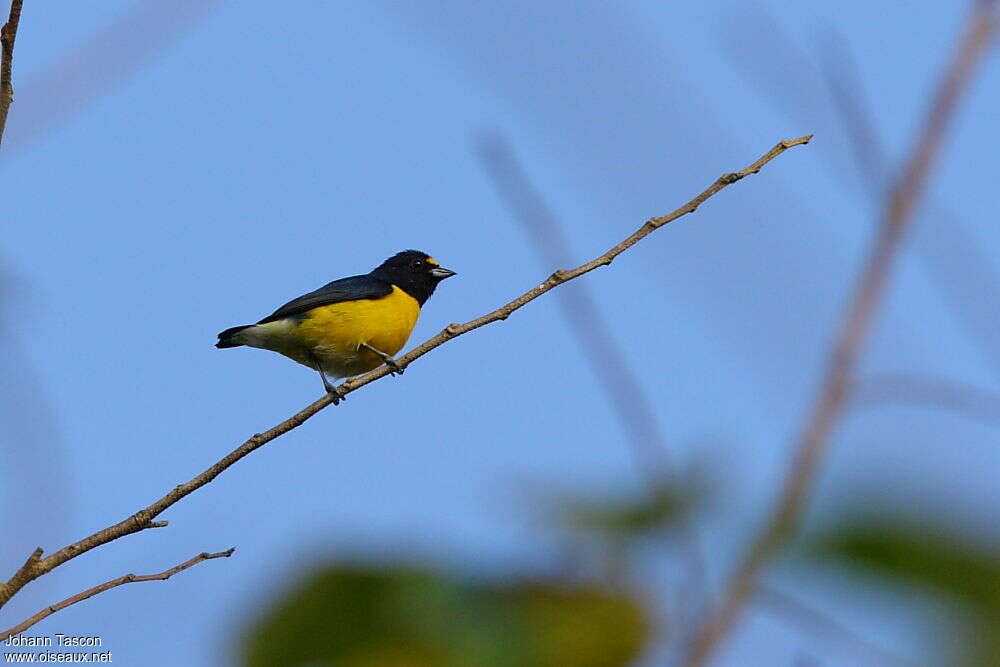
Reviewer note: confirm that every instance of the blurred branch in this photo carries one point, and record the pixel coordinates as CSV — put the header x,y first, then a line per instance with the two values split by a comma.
x,y
141,519
850,102
928,391
951,255
818,623
956,263
107,58
615,375
7,36
108,585
868,293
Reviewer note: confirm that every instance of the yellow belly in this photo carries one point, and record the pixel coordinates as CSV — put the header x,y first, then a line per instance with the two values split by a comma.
x,y
333,334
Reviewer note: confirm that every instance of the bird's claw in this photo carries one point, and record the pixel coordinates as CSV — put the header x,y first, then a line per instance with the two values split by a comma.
x,y
394,368
337,396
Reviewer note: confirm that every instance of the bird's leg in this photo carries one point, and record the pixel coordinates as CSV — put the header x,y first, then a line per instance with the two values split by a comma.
x,y
330,389
394,368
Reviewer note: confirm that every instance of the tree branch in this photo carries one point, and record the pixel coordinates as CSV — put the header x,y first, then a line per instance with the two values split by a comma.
x,y
23,574
108,585
7,36
855,326
142,519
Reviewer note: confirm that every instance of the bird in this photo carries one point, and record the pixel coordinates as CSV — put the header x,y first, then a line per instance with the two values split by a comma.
x,y
349,326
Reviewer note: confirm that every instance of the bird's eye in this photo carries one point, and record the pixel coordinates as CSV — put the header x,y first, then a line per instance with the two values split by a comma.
x,y
416,263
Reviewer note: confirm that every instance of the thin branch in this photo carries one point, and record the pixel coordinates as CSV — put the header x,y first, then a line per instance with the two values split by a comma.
x,y
141,519
30,570
7,36
928,392
108,585
812,443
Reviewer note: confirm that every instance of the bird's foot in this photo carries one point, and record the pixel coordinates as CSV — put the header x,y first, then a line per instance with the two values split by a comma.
x,y
394,368
330,389
337,396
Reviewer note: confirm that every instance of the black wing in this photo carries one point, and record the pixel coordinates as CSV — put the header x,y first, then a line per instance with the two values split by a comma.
x,y
354,288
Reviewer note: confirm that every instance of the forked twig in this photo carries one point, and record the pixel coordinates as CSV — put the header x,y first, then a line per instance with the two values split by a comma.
x,y
108,585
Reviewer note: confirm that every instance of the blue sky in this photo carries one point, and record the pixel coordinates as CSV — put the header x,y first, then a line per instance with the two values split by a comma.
x,y
249,154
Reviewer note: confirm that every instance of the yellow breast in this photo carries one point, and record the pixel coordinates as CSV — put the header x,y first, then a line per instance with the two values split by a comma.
x,y
334,333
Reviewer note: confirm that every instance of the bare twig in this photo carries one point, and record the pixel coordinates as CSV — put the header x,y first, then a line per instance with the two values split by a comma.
x,y
928,391
812,442
7,36
108,585
141,519
30,570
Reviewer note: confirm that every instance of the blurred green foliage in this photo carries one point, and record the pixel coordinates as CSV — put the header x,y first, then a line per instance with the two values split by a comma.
x,y
625,517
405,616
925,558
920,556
402,615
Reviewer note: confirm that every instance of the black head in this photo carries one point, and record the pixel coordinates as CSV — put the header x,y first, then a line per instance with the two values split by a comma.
x,y
414,272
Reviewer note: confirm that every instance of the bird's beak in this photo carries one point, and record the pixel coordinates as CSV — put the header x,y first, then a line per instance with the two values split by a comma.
x,y
441,273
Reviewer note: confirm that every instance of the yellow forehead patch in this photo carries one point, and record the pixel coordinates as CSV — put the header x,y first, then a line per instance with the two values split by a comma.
x,y
431,260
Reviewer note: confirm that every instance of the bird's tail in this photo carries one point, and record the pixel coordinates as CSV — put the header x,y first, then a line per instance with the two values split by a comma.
x,y
231,337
